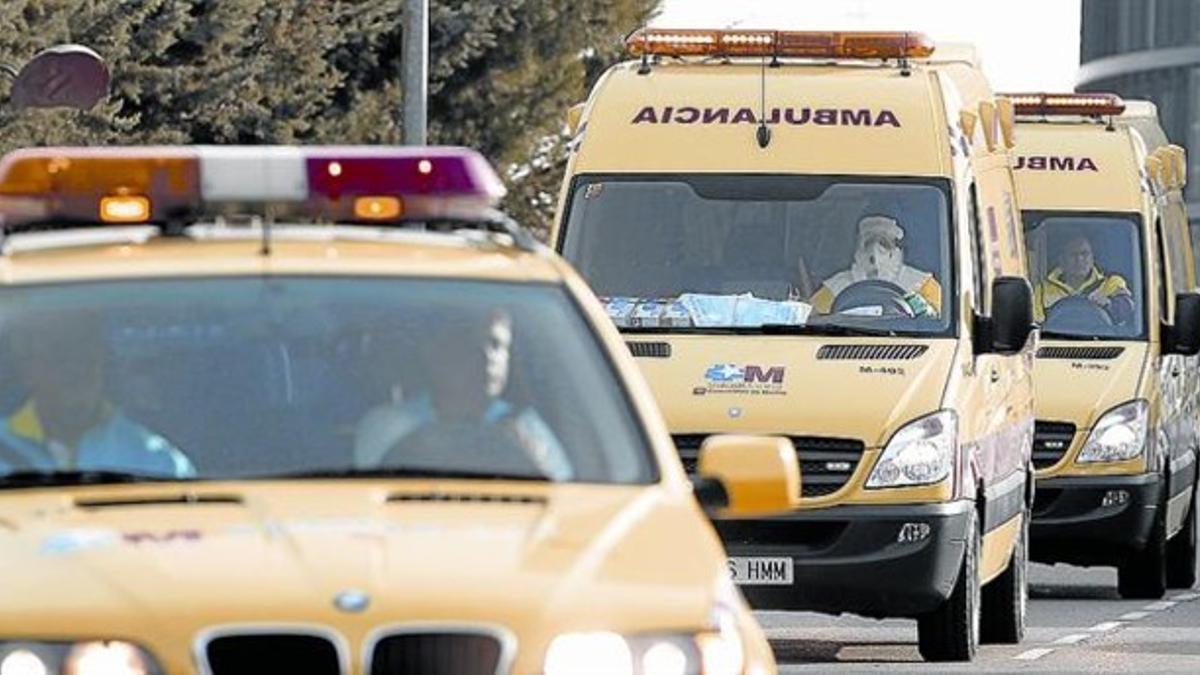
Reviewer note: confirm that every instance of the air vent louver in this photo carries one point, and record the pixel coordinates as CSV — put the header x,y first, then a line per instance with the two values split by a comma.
x,y
650,350
1080,353
870,352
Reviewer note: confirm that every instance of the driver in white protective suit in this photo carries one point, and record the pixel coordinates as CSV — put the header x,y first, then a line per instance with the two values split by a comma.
x,y
879,256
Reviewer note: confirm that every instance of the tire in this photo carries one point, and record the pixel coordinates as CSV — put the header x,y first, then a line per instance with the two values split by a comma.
x,y
1006,598
1144,575
951,632
1181,553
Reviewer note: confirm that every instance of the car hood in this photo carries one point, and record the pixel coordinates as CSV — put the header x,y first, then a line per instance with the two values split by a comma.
x,y
1078,383
148,560
813,386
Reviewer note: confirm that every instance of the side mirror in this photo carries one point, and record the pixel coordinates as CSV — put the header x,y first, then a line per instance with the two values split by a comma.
x,y
1007,329
987,117
1184,336
760,474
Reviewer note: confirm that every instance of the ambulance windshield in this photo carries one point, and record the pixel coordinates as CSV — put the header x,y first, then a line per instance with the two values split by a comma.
x,y
1087,274
753,252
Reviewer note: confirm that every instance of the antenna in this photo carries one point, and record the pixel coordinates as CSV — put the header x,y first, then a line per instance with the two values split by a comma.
x,y
265,225
763,133
644,69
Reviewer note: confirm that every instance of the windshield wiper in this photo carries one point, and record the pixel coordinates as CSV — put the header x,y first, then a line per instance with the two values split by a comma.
x,y
685,330
33,478
835,329
1053,335
399,472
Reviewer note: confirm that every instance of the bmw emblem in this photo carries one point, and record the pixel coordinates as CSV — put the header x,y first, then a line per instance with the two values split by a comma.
x,y
735,413
352,602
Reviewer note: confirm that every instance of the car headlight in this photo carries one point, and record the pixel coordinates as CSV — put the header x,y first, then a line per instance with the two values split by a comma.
x,y
717,651
1119,435
94,657
920,453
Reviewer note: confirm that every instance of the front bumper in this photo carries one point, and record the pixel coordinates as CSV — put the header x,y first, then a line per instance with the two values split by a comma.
x,y
1071,524
848,558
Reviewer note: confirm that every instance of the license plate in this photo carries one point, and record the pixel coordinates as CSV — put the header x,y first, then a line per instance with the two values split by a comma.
x,y
761,571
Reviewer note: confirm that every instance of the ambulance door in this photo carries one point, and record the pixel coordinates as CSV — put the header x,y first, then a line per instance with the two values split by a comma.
x,y
1178,375
1007,380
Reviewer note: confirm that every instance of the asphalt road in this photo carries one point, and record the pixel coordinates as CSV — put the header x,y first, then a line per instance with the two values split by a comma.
x,y
1077,623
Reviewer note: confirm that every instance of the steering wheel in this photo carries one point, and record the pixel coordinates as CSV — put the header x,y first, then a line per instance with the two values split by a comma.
x,y
873,293
1076,314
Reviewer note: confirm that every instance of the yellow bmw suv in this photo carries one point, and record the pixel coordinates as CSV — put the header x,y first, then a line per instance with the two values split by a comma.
x,y
324,411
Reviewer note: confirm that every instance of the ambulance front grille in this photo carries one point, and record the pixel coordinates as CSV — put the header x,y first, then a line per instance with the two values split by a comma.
x,y
1051,440
826,464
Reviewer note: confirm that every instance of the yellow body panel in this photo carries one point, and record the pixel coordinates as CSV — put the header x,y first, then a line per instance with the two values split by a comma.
x,y
630,112
568,557
998,547
1113,186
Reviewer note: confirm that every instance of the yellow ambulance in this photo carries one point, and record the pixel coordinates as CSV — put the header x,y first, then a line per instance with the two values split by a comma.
x,y
817,235
322,411
1109,251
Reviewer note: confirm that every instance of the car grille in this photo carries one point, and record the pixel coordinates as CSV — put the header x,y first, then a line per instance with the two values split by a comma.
x,y
1051,440
826,464
437,654
256,654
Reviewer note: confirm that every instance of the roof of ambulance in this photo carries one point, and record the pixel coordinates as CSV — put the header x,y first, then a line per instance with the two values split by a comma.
x,y
904,132
402,254
1109,179
1143,116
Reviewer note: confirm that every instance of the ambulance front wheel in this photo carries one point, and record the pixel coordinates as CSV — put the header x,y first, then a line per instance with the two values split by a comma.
x,y
1143,576
1006,598
1181,553
951,632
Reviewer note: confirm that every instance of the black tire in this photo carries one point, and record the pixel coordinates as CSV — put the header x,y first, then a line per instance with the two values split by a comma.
x,y
1006,598
1181,553
1144,575
951,632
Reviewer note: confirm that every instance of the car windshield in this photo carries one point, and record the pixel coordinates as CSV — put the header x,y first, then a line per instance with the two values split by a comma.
x,y
747,252
1087,271
239,378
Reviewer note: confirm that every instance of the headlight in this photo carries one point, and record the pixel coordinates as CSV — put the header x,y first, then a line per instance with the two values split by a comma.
x,y
1119,435
920,453
715,652
108,657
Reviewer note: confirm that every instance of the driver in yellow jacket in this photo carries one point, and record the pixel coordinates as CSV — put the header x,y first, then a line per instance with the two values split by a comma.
x,y
879,256
1078,275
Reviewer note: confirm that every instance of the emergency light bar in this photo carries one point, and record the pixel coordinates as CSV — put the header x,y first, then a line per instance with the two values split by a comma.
x,y
1047,105
130,185
799,44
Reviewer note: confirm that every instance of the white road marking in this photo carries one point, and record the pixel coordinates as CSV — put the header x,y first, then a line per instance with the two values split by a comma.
x,y
1134,616
1186,597
1106,626
1071,639
1033,654
1159,606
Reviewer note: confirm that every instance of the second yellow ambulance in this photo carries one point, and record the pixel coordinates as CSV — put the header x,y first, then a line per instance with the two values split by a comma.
x,y
1116,439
